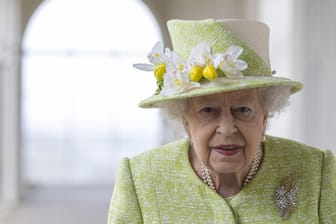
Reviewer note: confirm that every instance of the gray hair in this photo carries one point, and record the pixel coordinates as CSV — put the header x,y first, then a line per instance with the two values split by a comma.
x,y
274,99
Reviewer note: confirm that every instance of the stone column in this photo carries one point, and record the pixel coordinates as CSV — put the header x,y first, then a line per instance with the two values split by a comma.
x,y
10,35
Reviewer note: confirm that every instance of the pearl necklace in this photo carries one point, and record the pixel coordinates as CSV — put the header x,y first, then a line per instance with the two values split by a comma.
x,y
255,165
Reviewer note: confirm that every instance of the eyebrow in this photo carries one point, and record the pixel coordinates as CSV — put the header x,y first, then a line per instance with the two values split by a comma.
x,y
209,99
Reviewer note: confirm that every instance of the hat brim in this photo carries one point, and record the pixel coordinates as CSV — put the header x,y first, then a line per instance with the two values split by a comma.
x,y
222,85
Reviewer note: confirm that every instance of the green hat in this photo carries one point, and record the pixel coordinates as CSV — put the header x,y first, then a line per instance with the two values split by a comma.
x,y
211,56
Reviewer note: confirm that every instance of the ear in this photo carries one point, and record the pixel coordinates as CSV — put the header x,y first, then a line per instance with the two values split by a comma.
x,y
186,126
265,122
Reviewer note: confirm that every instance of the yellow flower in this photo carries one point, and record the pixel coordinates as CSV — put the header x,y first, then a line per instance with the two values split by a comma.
x,y
159,71
209,72
196,73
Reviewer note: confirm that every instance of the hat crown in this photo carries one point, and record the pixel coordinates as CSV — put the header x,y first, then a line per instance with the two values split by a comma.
x,y
255,34
252,36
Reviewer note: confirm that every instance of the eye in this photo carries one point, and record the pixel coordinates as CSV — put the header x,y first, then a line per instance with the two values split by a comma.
x,y
208,113
242,112
208,110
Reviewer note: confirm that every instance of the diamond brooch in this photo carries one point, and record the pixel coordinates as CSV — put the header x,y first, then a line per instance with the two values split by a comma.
x,y
285,197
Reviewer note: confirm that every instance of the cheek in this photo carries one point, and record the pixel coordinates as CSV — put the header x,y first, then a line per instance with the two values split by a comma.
x,y
253,133
201,136
258,124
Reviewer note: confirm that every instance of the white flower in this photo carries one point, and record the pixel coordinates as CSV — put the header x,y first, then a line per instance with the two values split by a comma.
x,y
229,62
180,64
156,57
200,55
176,82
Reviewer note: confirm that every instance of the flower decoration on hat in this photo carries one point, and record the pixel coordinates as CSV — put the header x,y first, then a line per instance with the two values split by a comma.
x,y
158,58
202,63
175,75
230,64
176,82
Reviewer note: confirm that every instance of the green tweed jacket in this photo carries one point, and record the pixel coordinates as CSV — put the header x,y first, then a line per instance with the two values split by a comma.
x,y
160,186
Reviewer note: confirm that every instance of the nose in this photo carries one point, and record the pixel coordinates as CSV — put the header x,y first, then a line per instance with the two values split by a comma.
x,y
226,125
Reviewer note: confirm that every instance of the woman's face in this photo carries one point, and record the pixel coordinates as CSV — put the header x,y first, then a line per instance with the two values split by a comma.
x,y
226,129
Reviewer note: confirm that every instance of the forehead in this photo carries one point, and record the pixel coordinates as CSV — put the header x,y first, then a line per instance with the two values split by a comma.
x,y
249,95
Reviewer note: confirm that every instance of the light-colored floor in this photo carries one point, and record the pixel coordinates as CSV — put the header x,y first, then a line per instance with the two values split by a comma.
x,y
66,205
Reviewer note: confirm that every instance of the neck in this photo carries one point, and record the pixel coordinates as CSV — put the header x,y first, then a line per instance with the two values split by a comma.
x,y
227,184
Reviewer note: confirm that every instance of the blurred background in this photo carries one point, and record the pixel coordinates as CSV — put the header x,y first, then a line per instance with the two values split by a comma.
x,y
69,95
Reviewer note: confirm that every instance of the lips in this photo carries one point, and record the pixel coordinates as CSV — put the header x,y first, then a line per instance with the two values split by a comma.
x,y
227,150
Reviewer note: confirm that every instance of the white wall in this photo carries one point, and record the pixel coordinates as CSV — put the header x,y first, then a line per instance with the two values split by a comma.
x,y
316,59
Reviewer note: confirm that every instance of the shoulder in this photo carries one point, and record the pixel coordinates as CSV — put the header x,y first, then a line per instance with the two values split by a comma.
x,y
294,154
290,146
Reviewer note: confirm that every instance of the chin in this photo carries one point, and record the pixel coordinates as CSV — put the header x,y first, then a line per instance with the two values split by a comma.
x,y
227,167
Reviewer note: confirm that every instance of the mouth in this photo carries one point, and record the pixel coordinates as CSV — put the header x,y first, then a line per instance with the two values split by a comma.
x,y
227,150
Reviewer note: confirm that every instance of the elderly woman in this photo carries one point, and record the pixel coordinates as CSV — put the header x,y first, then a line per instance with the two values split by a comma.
x,y
218,84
